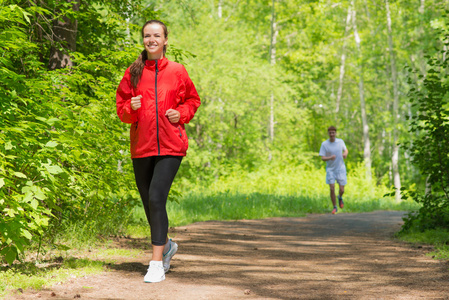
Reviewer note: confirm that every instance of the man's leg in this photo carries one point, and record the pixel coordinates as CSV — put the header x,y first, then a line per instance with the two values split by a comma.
x,y
340,195
342,190
332,192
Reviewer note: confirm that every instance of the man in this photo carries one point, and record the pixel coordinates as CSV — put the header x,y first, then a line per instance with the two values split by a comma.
x,y
333,151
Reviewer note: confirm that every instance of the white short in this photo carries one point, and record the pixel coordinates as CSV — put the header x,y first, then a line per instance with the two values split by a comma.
x,y
340,177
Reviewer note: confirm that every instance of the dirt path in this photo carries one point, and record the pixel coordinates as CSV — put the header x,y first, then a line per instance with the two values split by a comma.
x,y
343,256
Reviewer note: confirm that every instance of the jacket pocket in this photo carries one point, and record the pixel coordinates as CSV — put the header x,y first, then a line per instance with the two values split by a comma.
x,y
133,134
182,135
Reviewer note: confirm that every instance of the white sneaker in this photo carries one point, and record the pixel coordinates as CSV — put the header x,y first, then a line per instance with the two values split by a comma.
x,y
155,272
168,256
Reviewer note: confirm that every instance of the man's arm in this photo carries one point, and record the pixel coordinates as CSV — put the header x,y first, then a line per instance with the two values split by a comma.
x,y
326,158
345,153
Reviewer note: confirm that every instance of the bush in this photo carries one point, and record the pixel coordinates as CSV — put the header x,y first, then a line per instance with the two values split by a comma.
x,y
430,147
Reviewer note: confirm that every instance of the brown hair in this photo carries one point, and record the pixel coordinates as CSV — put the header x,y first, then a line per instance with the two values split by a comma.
x,y
332,128
138,65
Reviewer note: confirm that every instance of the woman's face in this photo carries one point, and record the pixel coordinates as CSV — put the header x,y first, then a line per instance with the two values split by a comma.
x,y
154,40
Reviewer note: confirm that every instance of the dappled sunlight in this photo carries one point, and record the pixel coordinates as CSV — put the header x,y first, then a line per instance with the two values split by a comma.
x,y
281,256
345,256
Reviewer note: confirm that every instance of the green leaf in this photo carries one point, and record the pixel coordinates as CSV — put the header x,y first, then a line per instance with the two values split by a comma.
x,y
25,15
8,145
25,233
52,121
39,194
20,175
51,144
34,203
10,254
54,169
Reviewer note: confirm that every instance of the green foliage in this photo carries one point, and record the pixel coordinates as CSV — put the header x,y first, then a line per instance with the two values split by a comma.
x,y
429,146
274,191
64,164
438,237
62,148
30,275
235,206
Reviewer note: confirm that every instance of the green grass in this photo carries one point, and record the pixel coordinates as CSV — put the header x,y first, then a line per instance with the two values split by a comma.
x,y
36,276
234,206
229,206
271,191
439,238
60,266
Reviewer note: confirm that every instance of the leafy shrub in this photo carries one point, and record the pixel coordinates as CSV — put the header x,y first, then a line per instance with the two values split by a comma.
x,y
430,147
62,157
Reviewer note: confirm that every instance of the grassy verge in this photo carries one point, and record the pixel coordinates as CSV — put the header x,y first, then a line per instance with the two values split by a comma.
x,y
37,275
235,206
59,266
229,206
439,238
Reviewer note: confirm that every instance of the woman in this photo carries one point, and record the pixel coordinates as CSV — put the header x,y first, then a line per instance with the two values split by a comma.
x,y
157,97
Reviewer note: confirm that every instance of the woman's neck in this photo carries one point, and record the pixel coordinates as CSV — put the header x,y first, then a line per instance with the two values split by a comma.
x,y
154,57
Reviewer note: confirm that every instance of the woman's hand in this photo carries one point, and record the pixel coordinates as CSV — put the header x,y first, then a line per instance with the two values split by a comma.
x,y
173,115
135,102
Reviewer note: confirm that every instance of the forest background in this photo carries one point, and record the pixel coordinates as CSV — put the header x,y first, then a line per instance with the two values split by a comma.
x,y
272,76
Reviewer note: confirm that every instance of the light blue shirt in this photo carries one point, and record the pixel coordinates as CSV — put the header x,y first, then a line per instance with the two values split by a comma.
x,y
336,148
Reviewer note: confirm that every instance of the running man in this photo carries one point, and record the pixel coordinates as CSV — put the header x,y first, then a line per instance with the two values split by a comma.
x,y
333,151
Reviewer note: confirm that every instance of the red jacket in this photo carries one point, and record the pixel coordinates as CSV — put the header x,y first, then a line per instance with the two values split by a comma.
x,y
151,132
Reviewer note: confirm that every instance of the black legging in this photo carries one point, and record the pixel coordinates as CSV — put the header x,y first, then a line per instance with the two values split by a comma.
x,y
154,177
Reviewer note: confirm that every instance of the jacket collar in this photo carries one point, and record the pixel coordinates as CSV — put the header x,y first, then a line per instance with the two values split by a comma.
x,y
161,63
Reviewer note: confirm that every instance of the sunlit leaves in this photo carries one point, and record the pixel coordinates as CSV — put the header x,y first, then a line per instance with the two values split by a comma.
x,y
430,145
60,139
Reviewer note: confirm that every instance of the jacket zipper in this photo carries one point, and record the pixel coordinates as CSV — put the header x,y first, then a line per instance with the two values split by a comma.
x,y
157,113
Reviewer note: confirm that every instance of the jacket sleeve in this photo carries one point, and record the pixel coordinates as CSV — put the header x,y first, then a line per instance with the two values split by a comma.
x,y
123,100
190,100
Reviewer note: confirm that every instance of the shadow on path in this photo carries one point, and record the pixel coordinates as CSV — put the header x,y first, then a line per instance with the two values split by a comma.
x,y
343,256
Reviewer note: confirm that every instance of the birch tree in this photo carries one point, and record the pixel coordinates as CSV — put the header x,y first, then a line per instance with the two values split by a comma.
x,y
274,33
394,78
366,140
343,61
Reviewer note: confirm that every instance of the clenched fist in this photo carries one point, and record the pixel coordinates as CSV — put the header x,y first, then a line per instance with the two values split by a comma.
x,y
135,102
173,115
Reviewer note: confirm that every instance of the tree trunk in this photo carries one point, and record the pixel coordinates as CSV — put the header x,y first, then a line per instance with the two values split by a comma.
x,y
64,33
394,77
274,33
428,190
366,140
421,8
343,62
220,8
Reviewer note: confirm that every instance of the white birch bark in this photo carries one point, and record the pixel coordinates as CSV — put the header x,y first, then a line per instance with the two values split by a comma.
x,y
220,9
394,77
343,62
274,33
366,140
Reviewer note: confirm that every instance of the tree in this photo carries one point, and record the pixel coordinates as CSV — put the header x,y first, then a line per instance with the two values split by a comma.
x,y
394,77
343,61
366,140
64,31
